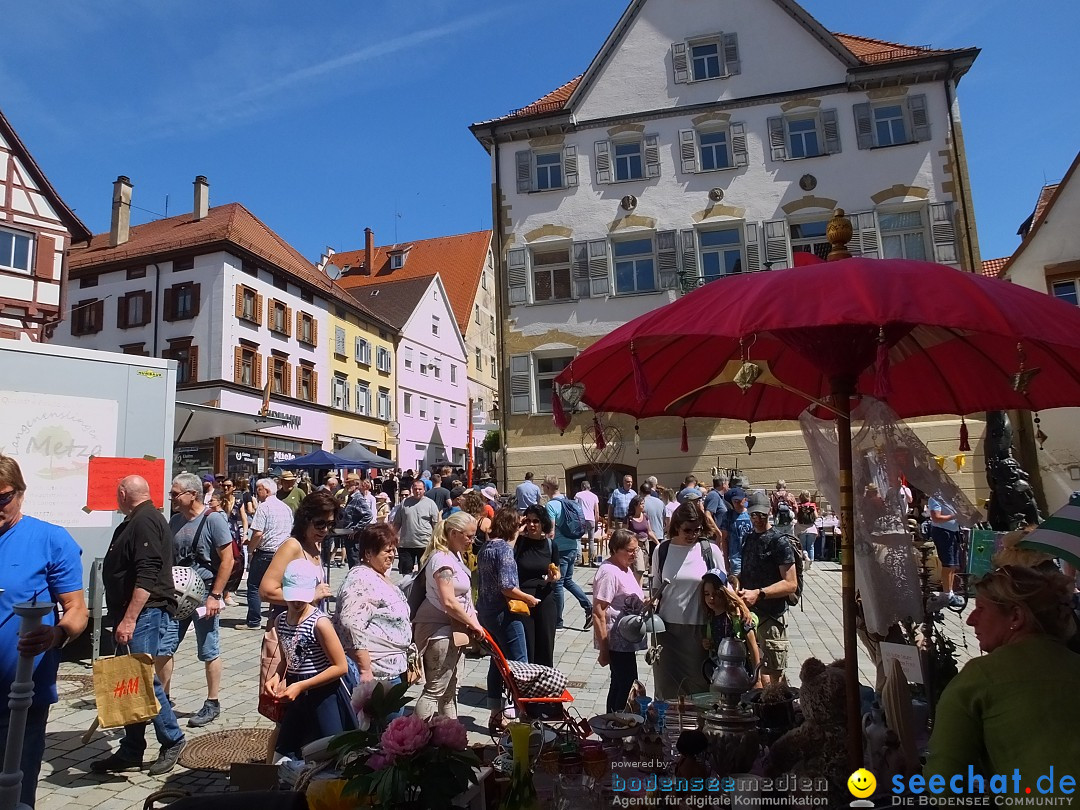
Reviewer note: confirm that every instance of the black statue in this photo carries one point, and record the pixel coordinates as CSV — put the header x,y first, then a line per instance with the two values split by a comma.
x,y
1012,500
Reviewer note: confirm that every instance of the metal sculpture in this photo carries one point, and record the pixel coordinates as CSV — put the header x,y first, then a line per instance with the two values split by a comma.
x,y
1012,500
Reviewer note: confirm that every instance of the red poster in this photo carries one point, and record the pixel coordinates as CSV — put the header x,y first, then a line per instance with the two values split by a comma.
x,y
105,474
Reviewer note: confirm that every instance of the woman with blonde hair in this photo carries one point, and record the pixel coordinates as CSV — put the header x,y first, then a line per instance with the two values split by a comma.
x,y
446,617
1015,707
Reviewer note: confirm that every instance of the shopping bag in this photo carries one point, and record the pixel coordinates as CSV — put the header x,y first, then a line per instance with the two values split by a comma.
x,y
124,690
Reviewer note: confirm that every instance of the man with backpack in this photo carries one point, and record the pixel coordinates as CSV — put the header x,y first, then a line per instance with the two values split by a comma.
x,y
770,575
569,523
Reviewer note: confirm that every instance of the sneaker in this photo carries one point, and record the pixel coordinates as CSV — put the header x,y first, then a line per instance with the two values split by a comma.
x,y
114,763
166,760
244,626
936,602
957,601
230,602
588,622
207,714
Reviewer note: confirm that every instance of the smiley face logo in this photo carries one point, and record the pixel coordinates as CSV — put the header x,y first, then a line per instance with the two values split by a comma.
x,y
861,783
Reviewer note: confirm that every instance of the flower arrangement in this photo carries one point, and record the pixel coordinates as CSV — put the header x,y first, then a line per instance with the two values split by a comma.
x,y
405,760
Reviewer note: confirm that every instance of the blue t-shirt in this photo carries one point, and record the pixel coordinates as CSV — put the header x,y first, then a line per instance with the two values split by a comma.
x,y
527,494
737,527
936,504
554,510
620,502
42,560
716,505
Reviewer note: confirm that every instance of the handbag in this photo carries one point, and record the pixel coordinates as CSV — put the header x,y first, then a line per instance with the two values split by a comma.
x,y
414,672
269,655
124,690
517,606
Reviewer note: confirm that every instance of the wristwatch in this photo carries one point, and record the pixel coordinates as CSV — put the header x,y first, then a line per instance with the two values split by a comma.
x,y
217,596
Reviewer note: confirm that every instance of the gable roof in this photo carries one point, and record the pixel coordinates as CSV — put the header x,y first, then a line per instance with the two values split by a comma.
x,y
79,232
992,267
395,301
458,260
1048,197
230,225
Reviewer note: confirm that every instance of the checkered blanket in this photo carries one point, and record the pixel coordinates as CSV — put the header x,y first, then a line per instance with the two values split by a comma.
x,y
537,680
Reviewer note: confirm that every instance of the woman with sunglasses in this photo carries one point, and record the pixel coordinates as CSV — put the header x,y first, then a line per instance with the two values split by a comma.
x,y
1015,707
537,558
678,565
234,510
447,617
314,519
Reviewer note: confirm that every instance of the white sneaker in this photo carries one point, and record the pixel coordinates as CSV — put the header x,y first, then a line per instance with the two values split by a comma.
x,y
937,602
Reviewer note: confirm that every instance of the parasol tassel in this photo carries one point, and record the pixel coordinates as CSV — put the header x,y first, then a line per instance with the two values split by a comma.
x,y
965,445
558,415
685,445
882,387
641,385
598,433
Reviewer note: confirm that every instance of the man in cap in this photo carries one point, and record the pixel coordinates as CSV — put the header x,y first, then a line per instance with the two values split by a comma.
x,y
355,517
288,491
735,527
768,577
439,492
690,486
208,485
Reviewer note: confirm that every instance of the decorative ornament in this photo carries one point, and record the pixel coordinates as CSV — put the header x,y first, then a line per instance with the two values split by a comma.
x,y
1022,378
1040,437
965,445
628,203
637,439
940,460
601,449
960,459
747,375
558,415
750,439
572,393
808,182
598,433
716,194
685,445
641,385
882,387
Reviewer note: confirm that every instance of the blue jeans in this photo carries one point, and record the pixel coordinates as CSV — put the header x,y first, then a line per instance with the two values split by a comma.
x,y
566,567
509,633
809,541
147,639
260,561
33,748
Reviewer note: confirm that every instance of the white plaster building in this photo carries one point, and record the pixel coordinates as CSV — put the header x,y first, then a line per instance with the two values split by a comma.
x,y
1048,260
36,229
707,139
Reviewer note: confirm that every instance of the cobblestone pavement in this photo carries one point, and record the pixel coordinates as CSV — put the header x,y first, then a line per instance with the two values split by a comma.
x,y
66,782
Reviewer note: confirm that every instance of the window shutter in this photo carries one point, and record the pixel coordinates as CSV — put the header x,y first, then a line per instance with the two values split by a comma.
x,y
239,301
776,244
148,302
167,302
286,379
753,248
920,120
737,135
570,170
258,309
652,155
599,277
288,321
314,385
339,340
520,384
238,364
314,332
864,126
679,62
196,290
121,312
358,350
517,275
299,325
689,254
257,370
580,269
298,382
778,138
688,150
193,363
731,54
45,257
602,153
864,236
524,171
667,259
943,232
832,131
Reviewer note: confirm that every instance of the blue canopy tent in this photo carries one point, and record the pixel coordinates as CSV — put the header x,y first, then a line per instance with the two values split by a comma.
x,y
357,455
318,460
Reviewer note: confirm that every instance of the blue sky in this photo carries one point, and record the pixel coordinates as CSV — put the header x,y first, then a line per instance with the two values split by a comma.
x,y
328,117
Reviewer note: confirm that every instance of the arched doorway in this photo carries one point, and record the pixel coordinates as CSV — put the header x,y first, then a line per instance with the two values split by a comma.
x,y
602,483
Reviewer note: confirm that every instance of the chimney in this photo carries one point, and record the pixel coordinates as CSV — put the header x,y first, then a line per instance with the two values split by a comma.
x,y
369,251
202,198
121,212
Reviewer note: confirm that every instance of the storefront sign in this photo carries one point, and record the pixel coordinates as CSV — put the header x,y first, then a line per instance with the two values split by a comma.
x,y
291,420
245,457
281,455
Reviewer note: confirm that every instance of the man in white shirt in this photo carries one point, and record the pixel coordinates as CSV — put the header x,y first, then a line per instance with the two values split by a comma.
x,y
590,507
270,527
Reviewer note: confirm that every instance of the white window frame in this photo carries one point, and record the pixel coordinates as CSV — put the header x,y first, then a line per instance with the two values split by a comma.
x,y
1069,297
729,157
538,376
536,270
407,358
492,324
740,247
922,229
422,409
811,117
478,359
435,325
397,261
406,403
615,261
436,410
423,364
382,358
453,374
7,258
436,368
627,159
684,63
543,162
534,169
339,393
453,415
476,314
363,399
383,403
363,351
494,365
904,119
796,242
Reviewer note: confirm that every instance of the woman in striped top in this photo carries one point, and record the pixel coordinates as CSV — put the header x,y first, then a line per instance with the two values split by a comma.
x,y
308,680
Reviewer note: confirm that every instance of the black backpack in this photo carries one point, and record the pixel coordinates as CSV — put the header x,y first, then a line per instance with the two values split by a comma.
x,y
795,598
805,515
784,516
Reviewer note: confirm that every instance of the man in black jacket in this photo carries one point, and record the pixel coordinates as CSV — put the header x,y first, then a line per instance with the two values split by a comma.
x,y
140,597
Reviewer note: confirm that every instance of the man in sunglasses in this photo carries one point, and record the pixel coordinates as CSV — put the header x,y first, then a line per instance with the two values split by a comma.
x,y
201,539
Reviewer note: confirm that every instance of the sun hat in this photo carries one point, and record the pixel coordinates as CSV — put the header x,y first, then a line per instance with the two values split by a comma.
x,y
351,477
300,581
288,475
490,493
382,496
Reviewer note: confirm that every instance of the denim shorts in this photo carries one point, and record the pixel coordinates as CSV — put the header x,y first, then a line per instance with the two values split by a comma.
x,y
207,636
948,544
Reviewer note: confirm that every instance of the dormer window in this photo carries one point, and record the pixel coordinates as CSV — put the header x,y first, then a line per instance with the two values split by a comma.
x,y
714,56
397,261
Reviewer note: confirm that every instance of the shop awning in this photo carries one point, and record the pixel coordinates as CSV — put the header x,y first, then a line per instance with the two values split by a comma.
x,y
195,422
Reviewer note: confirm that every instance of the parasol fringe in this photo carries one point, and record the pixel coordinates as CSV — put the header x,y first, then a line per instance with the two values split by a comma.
x,y
685,445
882,386
558,414
641,385
598,433
965,445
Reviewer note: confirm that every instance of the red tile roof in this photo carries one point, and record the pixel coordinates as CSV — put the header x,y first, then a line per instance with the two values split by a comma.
x,y
224,224
458,260
992,267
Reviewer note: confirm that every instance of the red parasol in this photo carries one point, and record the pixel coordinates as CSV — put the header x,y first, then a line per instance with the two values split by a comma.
x,y
926,338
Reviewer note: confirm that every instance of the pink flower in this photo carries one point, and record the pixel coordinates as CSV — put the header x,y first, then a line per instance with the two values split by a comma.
x,y
379,760
361,695
405,736
448,732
